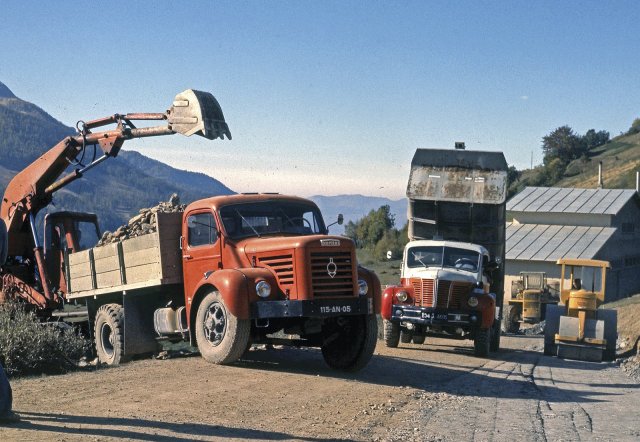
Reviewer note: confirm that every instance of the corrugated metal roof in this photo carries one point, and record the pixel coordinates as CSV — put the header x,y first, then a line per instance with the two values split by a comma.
x,y
543,242
568,200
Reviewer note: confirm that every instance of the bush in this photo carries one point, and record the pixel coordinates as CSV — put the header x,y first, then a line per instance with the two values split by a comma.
x,y
635,127
28,346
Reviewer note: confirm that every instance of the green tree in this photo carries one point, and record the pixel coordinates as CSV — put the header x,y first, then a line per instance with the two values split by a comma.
x,y
564,144
594,139
635,127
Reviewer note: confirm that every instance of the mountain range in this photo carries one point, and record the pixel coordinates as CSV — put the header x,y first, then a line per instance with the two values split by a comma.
x,y
116,190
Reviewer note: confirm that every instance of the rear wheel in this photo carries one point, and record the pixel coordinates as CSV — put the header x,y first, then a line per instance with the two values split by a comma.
x,y
109,334
391,333
222,337
495,336
349,341
482,342
510,319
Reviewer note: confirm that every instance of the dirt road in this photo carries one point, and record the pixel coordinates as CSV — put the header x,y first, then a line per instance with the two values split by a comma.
x,y
431,392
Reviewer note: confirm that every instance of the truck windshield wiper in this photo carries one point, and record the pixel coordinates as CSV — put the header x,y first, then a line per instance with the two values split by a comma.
x,y
250,226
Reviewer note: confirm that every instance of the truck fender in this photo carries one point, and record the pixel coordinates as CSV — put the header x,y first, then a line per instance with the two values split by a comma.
x,y
237,288
373,282
487,307
387,302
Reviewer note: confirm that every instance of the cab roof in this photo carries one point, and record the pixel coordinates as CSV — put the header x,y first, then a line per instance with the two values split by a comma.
x,y
440,243
216,202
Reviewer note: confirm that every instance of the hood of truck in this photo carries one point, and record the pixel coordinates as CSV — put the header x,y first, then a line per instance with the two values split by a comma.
x,y
306,267
442,274
254,246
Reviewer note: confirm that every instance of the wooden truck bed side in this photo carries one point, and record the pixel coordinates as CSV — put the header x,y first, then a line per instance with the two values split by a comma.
x,y
144,261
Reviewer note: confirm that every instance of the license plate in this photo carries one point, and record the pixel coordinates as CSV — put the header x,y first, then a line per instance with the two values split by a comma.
x,y
335,309
426,315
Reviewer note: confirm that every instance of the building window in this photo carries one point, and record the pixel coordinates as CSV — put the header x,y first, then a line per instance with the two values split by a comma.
x,y
628,227
632,261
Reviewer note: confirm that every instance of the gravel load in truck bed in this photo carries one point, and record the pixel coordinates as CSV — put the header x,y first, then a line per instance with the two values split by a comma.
x,y
143,223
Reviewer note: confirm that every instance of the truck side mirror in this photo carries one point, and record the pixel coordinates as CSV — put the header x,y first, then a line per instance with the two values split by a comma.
x,y
339,221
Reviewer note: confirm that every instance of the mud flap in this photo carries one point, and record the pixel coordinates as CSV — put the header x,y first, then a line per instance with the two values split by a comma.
x,y
139,334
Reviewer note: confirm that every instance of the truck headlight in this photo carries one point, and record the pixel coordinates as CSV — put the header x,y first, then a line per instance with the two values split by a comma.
x,y
363,288
263,289
472,301
402,296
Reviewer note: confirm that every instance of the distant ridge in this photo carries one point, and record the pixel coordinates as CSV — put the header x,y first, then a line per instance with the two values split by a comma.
x,y
5,92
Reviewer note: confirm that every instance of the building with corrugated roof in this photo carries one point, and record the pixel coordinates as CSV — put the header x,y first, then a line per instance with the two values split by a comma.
x,y
549,223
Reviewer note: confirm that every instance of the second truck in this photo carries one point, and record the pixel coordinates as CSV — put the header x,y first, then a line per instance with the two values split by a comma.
x,y
452,278
226,272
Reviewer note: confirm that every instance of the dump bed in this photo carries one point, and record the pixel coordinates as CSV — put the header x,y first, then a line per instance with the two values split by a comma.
x,y
141,262
459,195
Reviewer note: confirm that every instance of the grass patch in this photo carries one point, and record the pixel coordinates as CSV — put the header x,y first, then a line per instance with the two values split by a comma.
x,y
388,270
28,346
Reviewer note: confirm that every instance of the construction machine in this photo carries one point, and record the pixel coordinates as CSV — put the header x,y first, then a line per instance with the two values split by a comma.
x,y
579,329
530,297
26,274
224,273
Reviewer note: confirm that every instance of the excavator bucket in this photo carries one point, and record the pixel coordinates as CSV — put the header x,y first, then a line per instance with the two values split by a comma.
x,y
197,112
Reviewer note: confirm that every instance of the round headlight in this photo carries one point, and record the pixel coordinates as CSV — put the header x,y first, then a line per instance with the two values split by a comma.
x,y
263,289
363,288
473,301
402,296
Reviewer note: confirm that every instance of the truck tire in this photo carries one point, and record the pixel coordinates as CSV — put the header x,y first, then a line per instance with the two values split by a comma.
x,y
406,336
510,319
610,318
222,338
349,342
482,342
109,334
391,333
418,339
495,336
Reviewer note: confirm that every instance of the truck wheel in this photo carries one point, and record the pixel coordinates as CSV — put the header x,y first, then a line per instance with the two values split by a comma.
x,y
391,333
109,334
495,337
610,318
418,339
405,336
510,319
482,342
222,337
350,341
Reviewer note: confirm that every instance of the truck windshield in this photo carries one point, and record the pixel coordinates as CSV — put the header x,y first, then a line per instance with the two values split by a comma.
x,y
438,256
271,217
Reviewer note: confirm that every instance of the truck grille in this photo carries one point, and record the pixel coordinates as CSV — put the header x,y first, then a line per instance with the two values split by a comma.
x,y
450,294
423,291
282,266
323,280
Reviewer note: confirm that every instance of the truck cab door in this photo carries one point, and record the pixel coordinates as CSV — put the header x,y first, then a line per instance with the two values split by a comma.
x,y
201,252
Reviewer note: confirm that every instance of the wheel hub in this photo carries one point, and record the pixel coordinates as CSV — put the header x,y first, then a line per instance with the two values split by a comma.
x,y
215,323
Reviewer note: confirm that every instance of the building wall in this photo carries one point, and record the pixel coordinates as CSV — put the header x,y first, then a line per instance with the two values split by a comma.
x,y
562,219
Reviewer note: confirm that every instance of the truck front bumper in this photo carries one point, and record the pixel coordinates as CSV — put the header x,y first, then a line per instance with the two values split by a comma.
x,y
360,305
433,316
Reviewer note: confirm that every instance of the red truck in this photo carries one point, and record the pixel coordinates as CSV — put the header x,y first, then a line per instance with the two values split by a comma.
x,y
228,272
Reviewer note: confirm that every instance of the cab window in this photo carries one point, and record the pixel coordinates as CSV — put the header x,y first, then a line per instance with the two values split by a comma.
x,y
201,229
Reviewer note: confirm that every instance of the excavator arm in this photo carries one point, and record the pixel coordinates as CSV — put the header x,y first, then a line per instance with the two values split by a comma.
x,y
192,112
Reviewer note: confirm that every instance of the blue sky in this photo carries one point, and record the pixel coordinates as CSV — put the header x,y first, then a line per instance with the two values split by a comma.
x,y
332,97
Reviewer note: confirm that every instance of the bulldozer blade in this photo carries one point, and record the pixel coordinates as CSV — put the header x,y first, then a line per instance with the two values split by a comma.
x,y
197,112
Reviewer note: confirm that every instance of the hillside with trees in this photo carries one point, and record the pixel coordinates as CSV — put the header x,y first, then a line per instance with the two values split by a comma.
x,y
571,160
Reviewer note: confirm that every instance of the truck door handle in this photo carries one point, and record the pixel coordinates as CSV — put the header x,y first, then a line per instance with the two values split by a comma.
x,y
187,256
